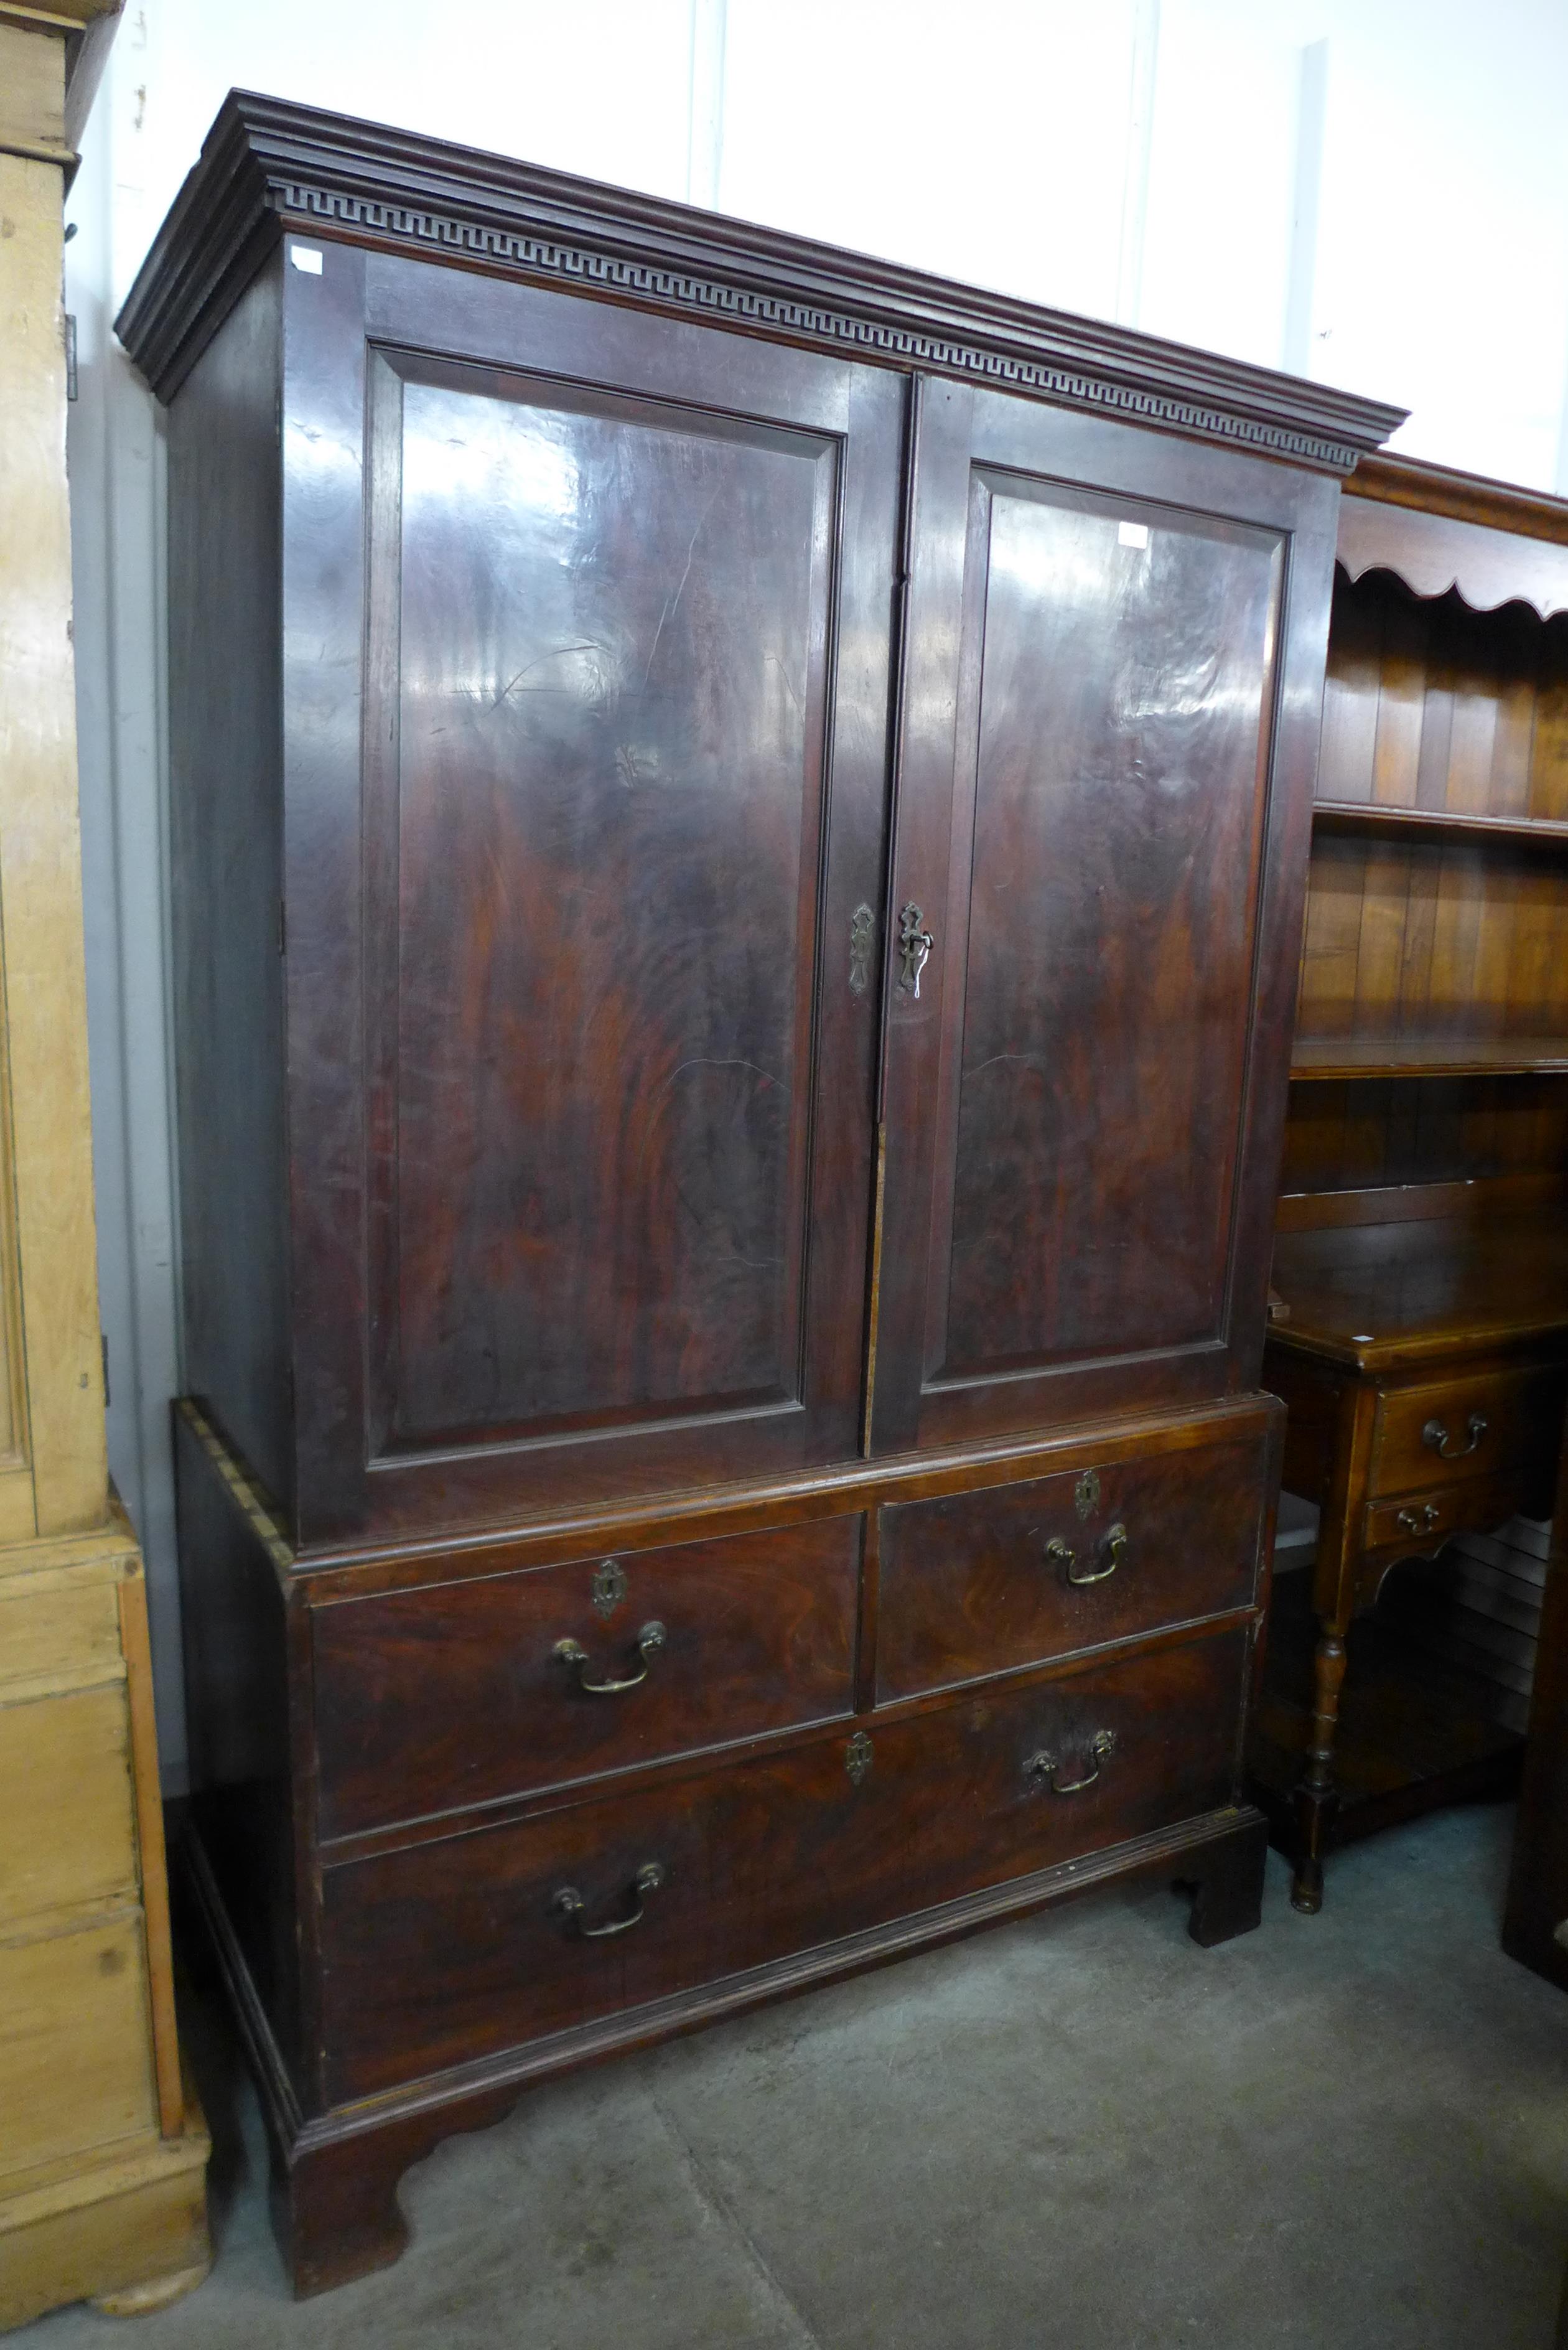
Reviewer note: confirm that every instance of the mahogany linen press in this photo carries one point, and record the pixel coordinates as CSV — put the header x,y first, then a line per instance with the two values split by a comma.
x,y
739,818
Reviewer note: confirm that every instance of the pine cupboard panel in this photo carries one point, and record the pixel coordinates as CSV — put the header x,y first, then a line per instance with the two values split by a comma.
x,y
56,1629
40,872
67,1826
76,2074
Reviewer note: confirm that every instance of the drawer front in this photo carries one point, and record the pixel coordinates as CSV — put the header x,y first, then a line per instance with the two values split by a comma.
x,y
445,1951
1424,1522
431,1699
67,1832
1437,1434
66,1630
76,2068
985,1583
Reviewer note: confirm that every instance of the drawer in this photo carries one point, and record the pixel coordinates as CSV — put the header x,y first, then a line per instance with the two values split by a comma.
x,y
1014,1575
67,1832
1477,1505
457,1693
446,1950
76,2069
66,1630
1438,1433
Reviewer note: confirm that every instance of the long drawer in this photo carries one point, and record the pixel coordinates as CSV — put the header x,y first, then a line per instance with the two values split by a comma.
x,y
448,1695
1014,1575
447,1950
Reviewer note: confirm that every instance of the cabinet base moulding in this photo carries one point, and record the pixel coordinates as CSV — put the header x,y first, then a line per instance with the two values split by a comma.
x,y
334,2176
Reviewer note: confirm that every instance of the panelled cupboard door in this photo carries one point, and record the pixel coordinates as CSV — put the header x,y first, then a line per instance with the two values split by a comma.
x,y
1110,710
583,1049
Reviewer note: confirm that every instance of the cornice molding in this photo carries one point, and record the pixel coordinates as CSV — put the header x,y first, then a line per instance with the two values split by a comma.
x,y
1463,497
267,165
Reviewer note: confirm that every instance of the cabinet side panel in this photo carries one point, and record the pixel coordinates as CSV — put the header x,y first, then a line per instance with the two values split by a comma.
x,y
236,1695
225,820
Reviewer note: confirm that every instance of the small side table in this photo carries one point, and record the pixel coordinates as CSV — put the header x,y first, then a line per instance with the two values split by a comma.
x,y
1425,1366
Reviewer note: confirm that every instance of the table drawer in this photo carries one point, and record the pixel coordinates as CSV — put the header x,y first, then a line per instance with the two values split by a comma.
x,y
1016,1575
457,1693
445,1951
1441,1433
1424,1522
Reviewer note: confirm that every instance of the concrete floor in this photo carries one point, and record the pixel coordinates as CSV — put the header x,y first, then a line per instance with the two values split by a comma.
x,y
1079,2131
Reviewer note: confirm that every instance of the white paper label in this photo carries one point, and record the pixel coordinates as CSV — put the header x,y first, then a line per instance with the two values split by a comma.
x,y
308,259
1132,534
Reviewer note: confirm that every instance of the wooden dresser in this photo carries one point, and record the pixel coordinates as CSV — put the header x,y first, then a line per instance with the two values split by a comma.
x,y
102,2156
740,823
1422,1255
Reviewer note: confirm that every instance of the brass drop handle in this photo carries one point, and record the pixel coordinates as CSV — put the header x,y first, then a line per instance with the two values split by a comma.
x,y
649,1641
1418,1521
1044,1766
568,1903
1112,1547
1435,1435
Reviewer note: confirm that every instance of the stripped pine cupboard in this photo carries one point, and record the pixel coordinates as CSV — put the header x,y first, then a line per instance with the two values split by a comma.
x,y
726,1256
103,2150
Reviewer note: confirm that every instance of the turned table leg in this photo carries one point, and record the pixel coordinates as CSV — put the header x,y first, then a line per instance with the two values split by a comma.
x,y
1316,1794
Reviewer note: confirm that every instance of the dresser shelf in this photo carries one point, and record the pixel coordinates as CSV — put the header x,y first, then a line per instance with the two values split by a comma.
x,y
1442,827
1321,1057
1421,1256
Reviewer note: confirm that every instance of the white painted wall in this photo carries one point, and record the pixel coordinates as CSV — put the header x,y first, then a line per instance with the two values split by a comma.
x,y
1369,190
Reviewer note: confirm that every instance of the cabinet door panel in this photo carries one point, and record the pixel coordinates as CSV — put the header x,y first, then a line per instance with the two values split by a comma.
x,y
625,754
1068,1097
613,634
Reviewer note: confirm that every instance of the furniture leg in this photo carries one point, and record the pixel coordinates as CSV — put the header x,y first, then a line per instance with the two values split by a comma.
x,y
1315,1795
336,2211
1229,1899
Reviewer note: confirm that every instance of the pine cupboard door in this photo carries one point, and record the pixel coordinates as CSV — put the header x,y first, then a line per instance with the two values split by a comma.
x,y
1115,644
583,882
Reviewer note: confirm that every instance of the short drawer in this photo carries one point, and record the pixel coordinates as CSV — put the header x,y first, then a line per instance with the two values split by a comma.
x,y
1016,1575
447,1951
1436,1434
76,2070
458,1693
65,1631
66,1830
1476,1505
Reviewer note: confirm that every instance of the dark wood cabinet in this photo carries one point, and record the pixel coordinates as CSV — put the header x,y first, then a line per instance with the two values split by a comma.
x,y
739,821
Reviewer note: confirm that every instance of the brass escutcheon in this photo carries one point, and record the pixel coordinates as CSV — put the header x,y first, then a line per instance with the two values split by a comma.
x,y
609,1586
